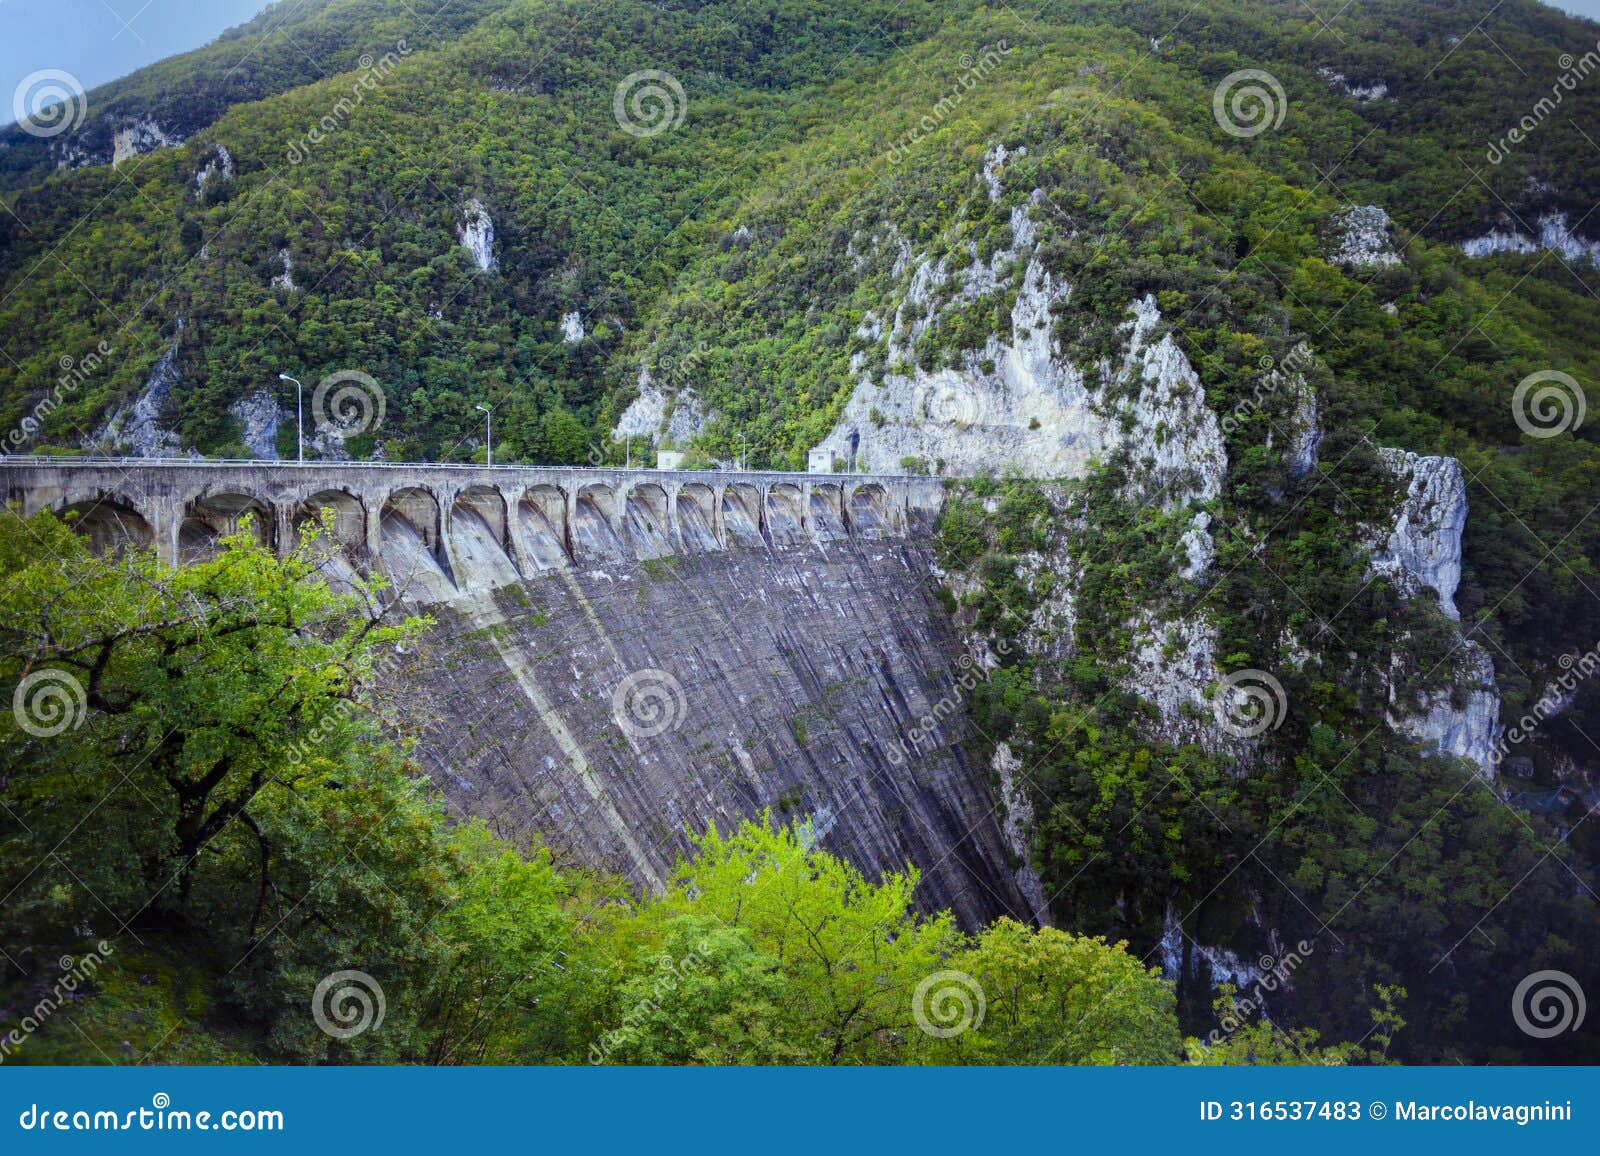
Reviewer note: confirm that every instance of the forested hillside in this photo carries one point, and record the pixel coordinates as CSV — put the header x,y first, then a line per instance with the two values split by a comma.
x,y
748,229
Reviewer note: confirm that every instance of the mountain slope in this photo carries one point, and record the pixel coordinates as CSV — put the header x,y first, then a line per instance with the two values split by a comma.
x,y
952,239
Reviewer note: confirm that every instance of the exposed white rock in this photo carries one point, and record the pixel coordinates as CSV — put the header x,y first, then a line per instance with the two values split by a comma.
x,y
285,280
1171,664
1362,238
1424,550
220,164
1424,547
993,162
1198,547
1224,965
1305,429
142,136
1017,829
1469,730
476,234
259,414
1365,93
665,420
572,327
1553,234
136,430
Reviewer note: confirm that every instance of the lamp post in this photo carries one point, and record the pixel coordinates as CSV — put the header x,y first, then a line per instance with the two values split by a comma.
x,y
488,441
299,417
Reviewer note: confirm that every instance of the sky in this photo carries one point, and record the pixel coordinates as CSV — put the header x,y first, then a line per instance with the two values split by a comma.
x,y
100,40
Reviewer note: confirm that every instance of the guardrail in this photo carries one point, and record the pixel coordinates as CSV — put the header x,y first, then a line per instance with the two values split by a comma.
x,y
270,463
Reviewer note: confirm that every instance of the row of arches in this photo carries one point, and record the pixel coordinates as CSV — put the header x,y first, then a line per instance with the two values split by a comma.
x,y
481,536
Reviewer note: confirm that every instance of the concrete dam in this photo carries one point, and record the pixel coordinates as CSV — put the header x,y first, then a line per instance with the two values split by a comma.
x,y
623,657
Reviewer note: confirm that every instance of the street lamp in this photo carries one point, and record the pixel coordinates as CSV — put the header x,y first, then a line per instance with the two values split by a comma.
x,y
299,417
488,410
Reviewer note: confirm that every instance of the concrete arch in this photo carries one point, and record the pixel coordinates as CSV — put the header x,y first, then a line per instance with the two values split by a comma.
x,y
786,515
111,525
871,513
696,510
647,521
209,518
825,512
412,546
349,518
541,526
480,539
594,525
740,516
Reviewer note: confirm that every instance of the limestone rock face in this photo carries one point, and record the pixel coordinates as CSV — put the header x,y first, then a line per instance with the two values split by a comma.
x,y
476,234
1463,721
1362,238
664,419
136,430
1553,234
142,136
572,327
1424,547
1019,403
259,413
797,678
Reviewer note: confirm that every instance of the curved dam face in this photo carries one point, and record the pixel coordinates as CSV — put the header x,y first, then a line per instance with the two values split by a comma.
x,y
614,709
623,658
